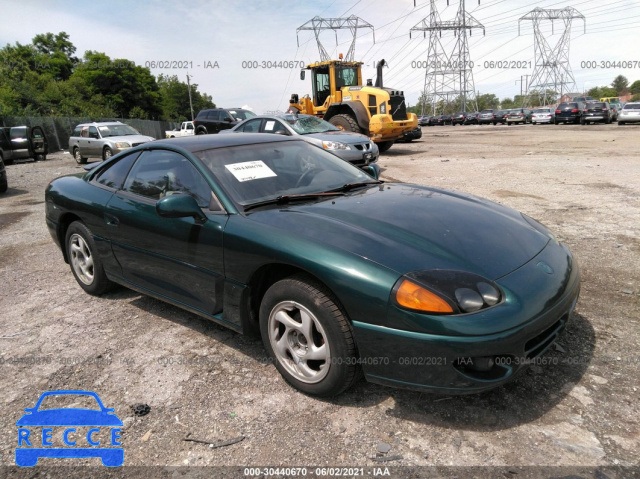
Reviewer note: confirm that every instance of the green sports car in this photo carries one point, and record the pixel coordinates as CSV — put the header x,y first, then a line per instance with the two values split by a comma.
x,y
340,273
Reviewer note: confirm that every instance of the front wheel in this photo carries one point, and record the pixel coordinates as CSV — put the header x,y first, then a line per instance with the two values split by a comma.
x,y
84,261
345,123
81,160
305,331
106,153
384,146
620,123
4,186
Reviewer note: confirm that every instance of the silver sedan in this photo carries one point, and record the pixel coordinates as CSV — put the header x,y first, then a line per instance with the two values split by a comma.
x,y
355,148
629,113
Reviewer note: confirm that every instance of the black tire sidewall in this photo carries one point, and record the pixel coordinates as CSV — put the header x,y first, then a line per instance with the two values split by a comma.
x,y
100,283
342,366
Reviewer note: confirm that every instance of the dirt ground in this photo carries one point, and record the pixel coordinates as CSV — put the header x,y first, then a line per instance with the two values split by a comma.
x,y
205,382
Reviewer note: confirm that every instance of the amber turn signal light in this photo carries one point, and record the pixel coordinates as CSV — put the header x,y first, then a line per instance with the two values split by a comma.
x,y
413,296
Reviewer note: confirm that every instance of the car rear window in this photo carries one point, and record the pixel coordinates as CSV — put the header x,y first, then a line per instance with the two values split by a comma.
x,y
632,106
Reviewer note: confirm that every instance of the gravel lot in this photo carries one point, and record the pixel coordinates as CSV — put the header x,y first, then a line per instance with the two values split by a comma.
x,y
203,381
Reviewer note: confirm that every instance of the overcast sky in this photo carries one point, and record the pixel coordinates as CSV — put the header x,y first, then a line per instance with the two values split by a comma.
x,y
230,32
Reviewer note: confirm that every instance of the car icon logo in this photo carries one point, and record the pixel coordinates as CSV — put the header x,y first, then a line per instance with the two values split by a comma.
x,y
86,432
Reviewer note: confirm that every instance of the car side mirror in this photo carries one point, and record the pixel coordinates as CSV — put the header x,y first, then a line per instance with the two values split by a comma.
x,y
281,132
302,74
180,206
372,170
228,119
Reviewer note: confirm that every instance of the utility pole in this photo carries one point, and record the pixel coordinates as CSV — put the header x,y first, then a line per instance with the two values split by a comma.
x,y
449,74
190,102
551,62
526,83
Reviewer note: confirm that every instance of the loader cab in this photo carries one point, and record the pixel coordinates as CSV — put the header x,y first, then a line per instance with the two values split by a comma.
x,y
329,77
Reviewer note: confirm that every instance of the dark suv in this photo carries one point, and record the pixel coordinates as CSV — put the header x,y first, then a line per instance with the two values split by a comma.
x,y
3,177
570,112
20,142
215,119
596,111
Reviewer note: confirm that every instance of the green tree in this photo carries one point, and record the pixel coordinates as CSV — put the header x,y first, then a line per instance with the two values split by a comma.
x,y
620,84
122,83
55,54
635,87
174,101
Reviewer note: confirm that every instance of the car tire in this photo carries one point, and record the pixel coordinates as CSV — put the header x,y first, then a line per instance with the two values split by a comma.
x,y
345,122
40,157
85,264
384,146
299,317
78,157
106,153
4,185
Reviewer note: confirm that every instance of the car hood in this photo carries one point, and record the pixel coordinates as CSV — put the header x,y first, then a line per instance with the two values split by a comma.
x,y
341,136
408,228
130,138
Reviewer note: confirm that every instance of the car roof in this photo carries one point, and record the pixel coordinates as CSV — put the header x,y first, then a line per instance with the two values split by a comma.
x,y
100,123
208,142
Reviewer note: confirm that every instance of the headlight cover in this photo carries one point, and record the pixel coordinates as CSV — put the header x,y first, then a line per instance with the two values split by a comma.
x,y
334,145
123,144
445,292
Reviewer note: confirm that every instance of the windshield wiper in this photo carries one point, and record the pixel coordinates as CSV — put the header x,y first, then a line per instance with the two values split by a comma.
x,y
350,186
282,199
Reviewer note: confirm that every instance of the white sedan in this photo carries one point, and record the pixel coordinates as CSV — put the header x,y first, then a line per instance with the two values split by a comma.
x,y
630,112
543,115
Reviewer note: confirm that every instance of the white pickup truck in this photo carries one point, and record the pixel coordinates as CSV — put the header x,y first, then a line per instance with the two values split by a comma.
x,y
186,129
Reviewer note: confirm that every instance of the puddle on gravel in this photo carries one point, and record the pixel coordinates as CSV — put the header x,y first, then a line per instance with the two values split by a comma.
x,y
30,202
10,218
515,194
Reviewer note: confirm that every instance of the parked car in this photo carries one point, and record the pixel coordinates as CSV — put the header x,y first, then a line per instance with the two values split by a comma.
x,y
583,99
3,177
103,139
355,148
438,120
500,116
595,112
543,115
486,117
446,119
423,120
459,118
569,112
519,115
186,129
339,272
23,142
630,113
472,118
214,120
614,107
409,136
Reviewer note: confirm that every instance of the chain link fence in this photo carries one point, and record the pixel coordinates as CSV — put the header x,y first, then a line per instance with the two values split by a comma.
x,y
59,129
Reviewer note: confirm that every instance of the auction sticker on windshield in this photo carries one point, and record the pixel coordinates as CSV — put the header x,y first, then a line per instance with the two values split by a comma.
x,y
250,170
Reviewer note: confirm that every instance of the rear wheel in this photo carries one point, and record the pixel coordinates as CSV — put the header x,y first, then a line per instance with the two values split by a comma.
x,y
40,157
345,122
81,160
305,331
84,261
384,146
620,123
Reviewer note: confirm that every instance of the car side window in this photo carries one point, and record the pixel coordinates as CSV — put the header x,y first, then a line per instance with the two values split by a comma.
x,y
160,173
114,175
93,132
213,115
252,126
273,126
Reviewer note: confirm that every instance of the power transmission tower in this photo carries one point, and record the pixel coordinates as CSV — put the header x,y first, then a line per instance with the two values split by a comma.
x,y
449,75
552,70
318,25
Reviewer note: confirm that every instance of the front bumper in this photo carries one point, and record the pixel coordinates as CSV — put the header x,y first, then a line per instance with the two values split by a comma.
x,y
384,128
538,303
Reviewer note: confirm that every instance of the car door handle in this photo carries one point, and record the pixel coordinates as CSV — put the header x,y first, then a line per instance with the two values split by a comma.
x,y
111,220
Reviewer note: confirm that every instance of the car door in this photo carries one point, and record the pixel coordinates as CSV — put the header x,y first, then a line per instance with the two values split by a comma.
x,y
19,142
213,121
176,258
251,126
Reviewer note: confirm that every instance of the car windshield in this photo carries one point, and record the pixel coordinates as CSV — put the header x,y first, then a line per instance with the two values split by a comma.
x,y
632,106
267,171
542,110
117,130
242,114
305,124
65,401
